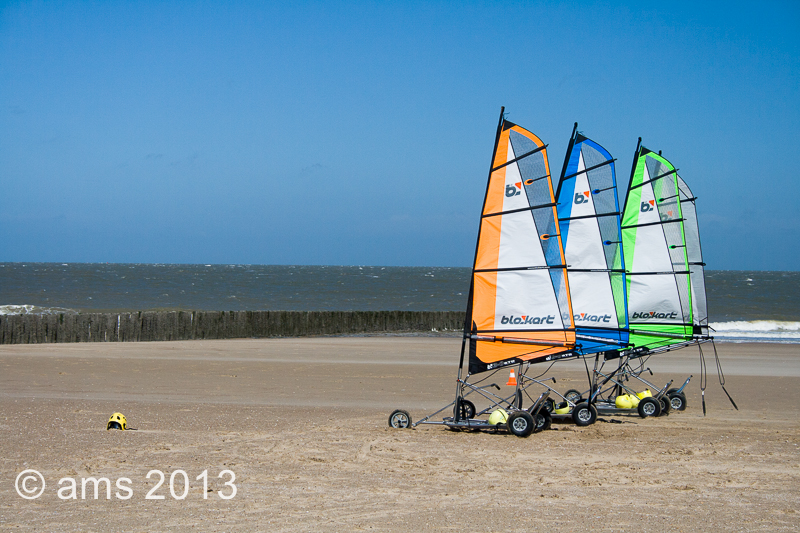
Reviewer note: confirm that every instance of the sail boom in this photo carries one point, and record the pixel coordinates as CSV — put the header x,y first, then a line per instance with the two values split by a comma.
x,y
516,340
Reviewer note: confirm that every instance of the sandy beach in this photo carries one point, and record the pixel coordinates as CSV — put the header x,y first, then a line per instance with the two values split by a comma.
x,y
302,423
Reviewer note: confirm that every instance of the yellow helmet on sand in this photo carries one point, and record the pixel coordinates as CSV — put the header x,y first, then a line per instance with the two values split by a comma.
x,y
499,416
117,421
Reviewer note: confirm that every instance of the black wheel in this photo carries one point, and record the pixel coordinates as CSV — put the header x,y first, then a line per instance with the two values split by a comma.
x,y
542,421
573,395
467,410
520,423
549,405
584,414
670,392
399,419
665,404
678,401
649,407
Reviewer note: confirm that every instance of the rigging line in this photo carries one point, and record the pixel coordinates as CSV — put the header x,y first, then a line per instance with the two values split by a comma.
x,y
520,210
721,375
594,167
653,223
537,150
597,215
703,377
520,269
673,171
692,199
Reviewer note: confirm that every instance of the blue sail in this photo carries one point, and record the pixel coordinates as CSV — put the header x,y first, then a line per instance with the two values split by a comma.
x,y
589,215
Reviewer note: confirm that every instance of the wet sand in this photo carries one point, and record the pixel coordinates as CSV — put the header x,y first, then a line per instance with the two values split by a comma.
x,y
303,425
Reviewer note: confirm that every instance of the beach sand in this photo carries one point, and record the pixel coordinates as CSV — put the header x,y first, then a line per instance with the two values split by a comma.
x,y
303,425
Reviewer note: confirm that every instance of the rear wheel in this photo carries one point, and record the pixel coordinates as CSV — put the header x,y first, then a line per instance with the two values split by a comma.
x,y
542,420
467,410
573,395
520,423
649,407
549,405
399,419
584,414
665,404
678,401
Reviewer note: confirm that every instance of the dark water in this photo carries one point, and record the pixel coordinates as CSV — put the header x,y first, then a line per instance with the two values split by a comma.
x,y
739,301
136,287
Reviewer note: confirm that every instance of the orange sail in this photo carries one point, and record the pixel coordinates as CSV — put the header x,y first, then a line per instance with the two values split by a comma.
x,y
519,306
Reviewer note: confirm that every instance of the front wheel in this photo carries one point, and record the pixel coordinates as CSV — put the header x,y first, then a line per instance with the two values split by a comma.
x,y
573,395
649,407
399,419
584,414
678,401
520,423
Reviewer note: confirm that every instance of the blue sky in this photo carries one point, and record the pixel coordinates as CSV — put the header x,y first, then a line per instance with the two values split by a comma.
x,y
361,132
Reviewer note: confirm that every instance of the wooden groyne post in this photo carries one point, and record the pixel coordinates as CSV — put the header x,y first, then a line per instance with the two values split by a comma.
x,y
187,325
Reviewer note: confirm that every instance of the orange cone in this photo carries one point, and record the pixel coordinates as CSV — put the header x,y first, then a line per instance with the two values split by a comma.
x,y
512,379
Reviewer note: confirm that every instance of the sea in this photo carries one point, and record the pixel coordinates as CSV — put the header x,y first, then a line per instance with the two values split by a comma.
x,y
744,306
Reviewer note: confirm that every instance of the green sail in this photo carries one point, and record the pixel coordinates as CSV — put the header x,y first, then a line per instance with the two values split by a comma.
x,y
658,280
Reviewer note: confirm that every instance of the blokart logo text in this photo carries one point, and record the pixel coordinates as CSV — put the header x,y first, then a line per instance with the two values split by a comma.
x,y
648,206
527,319
586,317
652,314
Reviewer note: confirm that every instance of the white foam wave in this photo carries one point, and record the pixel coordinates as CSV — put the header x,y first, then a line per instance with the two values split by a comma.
x,y
32,310
757,330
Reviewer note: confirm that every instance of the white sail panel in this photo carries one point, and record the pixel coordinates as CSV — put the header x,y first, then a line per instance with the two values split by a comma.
x,y
519,308
592,300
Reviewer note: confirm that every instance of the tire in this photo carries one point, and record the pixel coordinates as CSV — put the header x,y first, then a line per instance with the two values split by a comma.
x,y
542,421
584,414
467,410
649,407
399,419
678,401
549,405
520,423
665,404
573,395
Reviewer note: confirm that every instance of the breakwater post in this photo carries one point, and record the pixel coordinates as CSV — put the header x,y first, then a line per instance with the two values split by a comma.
x,y
187,325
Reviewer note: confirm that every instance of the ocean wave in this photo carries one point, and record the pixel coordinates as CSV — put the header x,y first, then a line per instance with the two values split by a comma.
x,y
757,330
33,310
